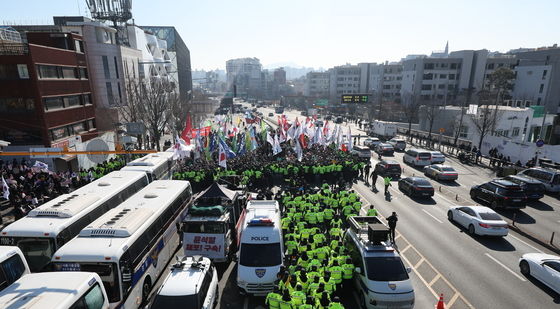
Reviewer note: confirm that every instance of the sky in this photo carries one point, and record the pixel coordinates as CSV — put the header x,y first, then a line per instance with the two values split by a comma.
x,y
326,33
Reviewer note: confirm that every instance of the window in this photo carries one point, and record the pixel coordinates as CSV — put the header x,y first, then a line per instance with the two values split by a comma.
x,y
452,76
428,66
385,269
116,67
16,105
541,88
426,87
106,67
83,73
544,74
78,127
441,86
53,103
93,299
443,76
429,76
87,99
490,66
48,71
260,255
463,132
71,101
69,72
8,71
538,101
59,133
515,132
11,270
110,97
120,93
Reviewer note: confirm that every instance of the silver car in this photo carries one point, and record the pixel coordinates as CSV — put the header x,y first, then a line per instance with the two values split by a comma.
x,y
441,172
437,157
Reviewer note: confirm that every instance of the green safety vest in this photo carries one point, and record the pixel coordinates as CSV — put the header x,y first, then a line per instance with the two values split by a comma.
x,y
273,300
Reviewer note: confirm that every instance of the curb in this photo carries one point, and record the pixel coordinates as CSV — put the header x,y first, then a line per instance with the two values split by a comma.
x,y
545,244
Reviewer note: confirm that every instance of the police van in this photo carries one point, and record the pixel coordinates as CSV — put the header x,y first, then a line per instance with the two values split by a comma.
x,y
261,249
381,278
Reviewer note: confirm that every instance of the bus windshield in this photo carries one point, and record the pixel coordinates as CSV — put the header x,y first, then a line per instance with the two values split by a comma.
x,y
37,251
264,255
207,227
107,271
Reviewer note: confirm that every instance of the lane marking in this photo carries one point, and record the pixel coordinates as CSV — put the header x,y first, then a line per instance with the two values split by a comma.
x,y
429,214
509,234
505,267
422,260
435,279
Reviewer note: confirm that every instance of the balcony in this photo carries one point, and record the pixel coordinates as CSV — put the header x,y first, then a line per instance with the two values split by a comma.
x,y
14,49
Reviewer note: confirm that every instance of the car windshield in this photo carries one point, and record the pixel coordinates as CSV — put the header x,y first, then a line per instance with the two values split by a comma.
x,y
385,269
424,156
177,301
107,271
264,255
491,216
447,169
207,227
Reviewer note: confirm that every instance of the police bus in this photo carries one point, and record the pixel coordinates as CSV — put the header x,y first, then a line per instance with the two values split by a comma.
x,y
61,290
130,246
158,166
12,266
49,226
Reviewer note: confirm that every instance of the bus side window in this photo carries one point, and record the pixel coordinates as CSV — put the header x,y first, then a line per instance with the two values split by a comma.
x,y
92,299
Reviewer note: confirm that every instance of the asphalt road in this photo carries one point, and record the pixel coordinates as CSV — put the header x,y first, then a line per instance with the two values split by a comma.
x,y
477,272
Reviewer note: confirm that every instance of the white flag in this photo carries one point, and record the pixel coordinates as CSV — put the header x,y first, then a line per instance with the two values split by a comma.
x,y
291,131
276,148
269,139
350,143
5,189
41,165
222,157
298,150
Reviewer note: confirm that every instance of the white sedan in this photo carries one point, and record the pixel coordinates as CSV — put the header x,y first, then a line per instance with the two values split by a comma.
x,y
543,267
478,220
437,157
441,172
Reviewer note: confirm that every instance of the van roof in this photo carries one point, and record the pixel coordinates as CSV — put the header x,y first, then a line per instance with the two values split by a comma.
x,y
185,277
46,290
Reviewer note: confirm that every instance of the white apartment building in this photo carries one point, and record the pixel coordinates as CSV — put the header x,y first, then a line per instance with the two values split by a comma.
x,y
317,84
344,79
245,74
384,81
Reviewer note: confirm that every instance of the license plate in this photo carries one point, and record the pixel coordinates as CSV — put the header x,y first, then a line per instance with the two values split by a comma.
x,y
425,193
517,200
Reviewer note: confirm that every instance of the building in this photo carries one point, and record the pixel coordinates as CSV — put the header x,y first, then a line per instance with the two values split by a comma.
x,y
245,74
344,79
179,69
280,76
537,79
384,82
46,98
317,84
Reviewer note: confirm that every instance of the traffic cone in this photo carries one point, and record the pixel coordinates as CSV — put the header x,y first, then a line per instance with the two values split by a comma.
x,y
440,304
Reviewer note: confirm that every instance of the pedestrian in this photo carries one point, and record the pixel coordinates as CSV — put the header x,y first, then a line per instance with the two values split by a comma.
x,y
392,220
387,183
478,155
373,178
366,173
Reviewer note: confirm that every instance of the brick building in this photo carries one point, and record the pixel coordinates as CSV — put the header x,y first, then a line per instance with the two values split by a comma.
x,y
45,93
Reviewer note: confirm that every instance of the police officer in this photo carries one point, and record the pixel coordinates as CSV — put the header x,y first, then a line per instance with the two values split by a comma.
x,y
387,183
372,212
286,301
347,271
392,220
273,299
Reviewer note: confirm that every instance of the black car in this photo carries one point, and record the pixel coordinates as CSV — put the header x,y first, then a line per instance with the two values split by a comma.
x,y
389,168
500,193
534,189
416,186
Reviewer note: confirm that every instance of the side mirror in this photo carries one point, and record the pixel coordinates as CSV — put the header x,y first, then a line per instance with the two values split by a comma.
x,y
408,270
358,270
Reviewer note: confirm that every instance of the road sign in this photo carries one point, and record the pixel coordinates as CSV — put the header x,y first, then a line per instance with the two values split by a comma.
x,y
354,98
40,153
540,143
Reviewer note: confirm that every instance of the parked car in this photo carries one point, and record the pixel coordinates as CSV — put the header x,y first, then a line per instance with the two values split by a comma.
x,y
549,177
437,157
543,267
270,114
361,151
371,142
416,186
534,189
385,149
500,193
441,172
389,168
398,143
192,283
479,220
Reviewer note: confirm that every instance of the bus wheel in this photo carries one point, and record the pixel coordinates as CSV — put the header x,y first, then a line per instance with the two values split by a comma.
x,y
146,288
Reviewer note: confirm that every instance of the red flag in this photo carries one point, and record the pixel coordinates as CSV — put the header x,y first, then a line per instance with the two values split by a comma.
x,y
315,117
186,135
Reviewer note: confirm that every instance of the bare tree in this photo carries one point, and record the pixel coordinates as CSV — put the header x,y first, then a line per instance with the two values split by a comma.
x,y
432,112
410,105
486,117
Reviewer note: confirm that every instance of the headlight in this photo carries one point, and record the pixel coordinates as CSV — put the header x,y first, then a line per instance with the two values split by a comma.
x,y
373,302
241,282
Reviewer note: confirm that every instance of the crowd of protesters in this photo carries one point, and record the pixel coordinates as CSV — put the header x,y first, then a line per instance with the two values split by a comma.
x,y
31,183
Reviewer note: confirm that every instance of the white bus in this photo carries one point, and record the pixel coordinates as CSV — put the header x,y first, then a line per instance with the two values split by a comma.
x,y
131,245
158,166
12,266
49,226
58,290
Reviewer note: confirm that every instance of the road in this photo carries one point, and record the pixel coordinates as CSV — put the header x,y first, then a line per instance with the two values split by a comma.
x,y
470,271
